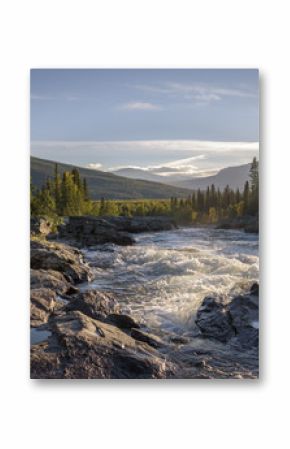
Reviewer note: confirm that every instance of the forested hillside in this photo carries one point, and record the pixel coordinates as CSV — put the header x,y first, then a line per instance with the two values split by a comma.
x,y
105,185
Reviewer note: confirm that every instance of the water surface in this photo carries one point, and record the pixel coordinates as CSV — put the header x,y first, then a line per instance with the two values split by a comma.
x,y
162,280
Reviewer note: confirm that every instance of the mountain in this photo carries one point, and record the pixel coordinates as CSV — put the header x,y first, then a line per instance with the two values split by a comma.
x,y
107,185
235,177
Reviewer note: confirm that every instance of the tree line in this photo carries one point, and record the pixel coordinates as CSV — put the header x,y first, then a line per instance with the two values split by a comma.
x,y
68,195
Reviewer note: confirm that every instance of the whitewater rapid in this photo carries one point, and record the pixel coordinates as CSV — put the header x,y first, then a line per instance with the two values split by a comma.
x,y
163,278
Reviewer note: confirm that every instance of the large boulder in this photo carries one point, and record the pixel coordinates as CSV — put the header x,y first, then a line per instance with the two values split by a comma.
x,y
236,321
83,348
59,257
213,320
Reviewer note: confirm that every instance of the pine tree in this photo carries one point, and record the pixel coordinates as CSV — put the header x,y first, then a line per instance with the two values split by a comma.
x,y
246,195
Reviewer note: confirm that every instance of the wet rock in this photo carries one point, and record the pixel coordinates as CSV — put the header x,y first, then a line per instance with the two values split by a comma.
x,y
214,321
95,304
83,348
42,304
243,311
59,257
254,289
122,321
150,339
236,322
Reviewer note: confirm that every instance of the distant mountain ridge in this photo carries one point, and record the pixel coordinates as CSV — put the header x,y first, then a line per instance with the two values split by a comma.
x,y
235,177
107,185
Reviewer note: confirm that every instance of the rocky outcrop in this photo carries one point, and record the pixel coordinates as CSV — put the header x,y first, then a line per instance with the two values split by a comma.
x,y
248,223
90,231
235,322
213,320
83,348
61,258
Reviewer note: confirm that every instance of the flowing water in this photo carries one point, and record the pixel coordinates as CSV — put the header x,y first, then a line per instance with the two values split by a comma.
x,y
162,280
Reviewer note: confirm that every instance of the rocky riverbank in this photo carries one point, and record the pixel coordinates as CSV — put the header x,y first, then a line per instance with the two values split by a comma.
x,y
249,224
79,333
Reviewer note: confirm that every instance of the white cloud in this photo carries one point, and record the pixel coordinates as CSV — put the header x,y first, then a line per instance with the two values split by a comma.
x,y
140,106
94,166
198,93
162,157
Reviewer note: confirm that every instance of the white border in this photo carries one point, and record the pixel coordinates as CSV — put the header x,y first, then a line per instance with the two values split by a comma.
x,y
129,33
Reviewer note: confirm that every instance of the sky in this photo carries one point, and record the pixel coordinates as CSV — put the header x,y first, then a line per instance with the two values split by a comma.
x,y
174,121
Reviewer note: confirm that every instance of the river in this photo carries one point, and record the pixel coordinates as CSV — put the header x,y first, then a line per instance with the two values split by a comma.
x,y
162,280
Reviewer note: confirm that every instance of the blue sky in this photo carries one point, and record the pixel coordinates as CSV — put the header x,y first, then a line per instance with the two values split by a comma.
x,y
145,118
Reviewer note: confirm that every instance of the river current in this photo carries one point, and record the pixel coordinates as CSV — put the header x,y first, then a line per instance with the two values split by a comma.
x,y
163,278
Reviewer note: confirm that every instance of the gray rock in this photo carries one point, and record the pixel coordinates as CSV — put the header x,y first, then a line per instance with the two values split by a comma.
x,y
90,231
59,257
83,348
236,322
213,320
50,279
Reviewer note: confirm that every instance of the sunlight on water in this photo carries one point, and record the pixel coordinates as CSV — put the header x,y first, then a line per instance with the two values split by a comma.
x,y
164,277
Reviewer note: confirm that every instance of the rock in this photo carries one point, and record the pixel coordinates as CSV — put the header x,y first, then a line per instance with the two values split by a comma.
x,y
61,258
43,301
248,223
254,289
122,321
213,320
83,348
90,231
95,304
244,311
150,339
236,322
40,225
50,279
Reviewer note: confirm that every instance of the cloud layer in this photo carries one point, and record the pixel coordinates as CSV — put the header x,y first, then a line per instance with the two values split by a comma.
x,y
161,157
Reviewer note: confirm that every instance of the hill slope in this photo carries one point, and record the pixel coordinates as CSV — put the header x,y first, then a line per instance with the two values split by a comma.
x,y
107,185
235,177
